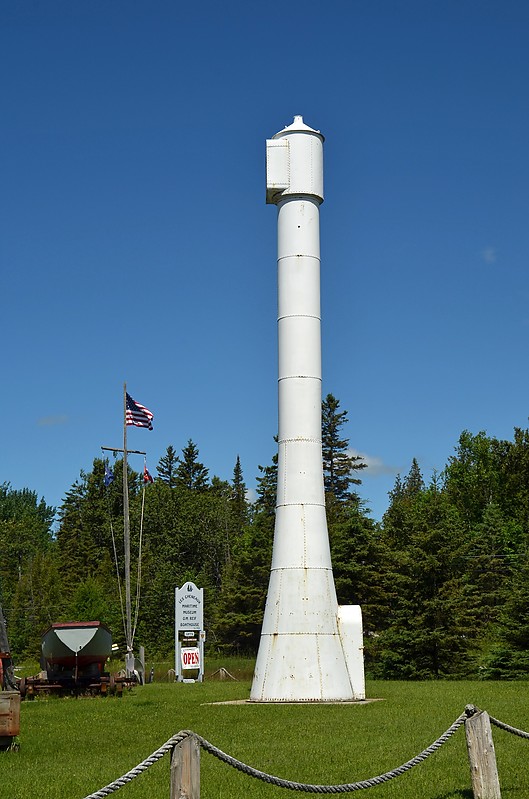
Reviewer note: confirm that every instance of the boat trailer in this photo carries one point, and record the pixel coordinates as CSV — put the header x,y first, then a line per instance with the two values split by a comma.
x,y
102,685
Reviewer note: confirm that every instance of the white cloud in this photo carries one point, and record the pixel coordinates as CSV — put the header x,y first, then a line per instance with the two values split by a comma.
x,y
489,255
251,495
52,421
375,465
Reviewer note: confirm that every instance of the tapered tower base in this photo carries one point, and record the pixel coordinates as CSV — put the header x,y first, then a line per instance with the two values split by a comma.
x,y
301,657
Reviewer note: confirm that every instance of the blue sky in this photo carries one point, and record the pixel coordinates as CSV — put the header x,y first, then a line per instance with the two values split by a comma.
x,y
136,244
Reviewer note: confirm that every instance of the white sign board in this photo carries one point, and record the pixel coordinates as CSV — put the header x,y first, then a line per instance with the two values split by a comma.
x,y
189,607
189,633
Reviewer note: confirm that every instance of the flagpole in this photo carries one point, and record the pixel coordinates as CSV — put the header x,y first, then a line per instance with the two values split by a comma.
x,y
129,663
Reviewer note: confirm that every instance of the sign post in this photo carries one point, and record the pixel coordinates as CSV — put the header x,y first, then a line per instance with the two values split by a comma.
x,y
189,633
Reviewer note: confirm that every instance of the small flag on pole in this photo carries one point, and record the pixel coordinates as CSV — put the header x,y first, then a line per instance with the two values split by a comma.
x,y
109,474
137,415
146,476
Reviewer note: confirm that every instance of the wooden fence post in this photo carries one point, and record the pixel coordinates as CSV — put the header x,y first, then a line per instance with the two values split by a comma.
x,y
482,757
185,769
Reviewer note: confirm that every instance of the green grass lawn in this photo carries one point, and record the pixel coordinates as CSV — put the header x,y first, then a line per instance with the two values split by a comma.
x,y
72,747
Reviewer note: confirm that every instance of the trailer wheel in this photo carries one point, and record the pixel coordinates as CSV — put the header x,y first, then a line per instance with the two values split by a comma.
x,y
23,688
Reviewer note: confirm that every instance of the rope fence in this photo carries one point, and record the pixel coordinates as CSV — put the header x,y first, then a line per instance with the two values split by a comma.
x,y
484,778
508,728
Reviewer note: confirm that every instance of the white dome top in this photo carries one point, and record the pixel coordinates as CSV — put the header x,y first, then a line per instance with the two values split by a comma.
x,y
298,126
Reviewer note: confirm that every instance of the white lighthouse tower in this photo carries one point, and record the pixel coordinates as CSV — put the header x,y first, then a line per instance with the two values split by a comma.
x,y
311,650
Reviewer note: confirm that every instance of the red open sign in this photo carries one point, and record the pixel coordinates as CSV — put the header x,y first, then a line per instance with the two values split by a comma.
x,y
190,656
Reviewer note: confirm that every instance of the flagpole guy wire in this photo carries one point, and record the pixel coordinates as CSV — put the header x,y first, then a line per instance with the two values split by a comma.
x,y
138,580
138,575
138,415
116,562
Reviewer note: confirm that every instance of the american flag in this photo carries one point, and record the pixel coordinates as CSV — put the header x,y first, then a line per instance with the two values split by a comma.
x,y
137,414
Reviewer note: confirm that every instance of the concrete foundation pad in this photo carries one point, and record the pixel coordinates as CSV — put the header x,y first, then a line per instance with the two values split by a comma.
x,y
254,702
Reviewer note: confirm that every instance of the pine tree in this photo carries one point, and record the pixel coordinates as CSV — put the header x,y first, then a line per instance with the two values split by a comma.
x,y
245,580
190,472
25,530
238,495
488,567
222,488
414,482
515,496
90,541
166,527
239,615
359,566
338,463
267,487
167,467
430,628
37,603
509,657
88,513
25,540
402,497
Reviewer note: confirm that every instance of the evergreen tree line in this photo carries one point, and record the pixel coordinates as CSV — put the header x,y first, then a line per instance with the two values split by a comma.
x,y
443,579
